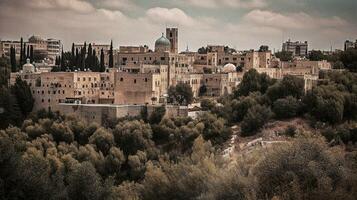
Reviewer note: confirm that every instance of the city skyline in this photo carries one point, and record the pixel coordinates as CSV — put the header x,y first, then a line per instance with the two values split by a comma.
x,y
241,24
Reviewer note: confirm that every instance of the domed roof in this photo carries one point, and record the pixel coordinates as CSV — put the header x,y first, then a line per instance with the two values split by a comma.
x,y
162,41
229,68
28,67
35,39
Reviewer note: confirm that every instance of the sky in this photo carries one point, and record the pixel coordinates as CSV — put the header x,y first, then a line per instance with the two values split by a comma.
x,y
241,24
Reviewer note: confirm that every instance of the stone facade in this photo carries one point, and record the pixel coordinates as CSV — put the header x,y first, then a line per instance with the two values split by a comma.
x,y
296,48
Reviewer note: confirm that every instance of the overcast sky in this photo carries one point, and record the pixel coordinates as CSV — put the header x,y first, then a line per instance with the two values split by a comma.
x,y
242,24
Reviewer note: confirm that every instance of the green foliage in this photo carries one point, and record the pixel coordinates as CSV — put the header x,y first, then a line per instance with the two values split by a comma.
x,y
303,170
253,82
111,55
23,94
349,59
325,103
157,115
132,136
181,93
289,86
214,129
5,70
287,107
239,108
346,133
207,104
290,131
61,132
103,139
255,119
38,161
10,112
284,55
316,55
84,182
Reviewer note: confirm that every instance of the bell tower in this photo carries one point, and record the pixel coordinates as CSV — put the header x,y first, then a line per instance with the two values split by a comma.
x,y
172,35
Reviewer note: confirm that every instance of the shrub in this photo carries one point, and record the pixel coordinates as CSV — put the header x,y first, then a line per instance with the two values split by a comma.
x,y
255,119
286,108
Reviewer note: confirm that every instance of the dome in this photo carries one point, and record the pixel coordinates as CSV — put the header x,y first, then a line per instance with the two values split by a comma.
x,y
229,68
35,39
28,67
162,44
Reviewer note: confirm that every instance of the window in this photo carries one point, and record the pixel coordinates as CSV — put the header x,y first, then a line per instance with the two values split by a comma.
x,y
43,100
43,92
84,78
121,79
49,100
146,79
134,80
90,79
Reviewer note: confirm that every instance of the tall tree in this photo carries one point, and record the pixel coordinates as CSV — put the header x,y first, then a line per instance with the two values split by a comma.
x,y
63,65
21,51
13,59
31,54
83,56
73,57
11,113
23,94
102,67
89,59
181,93
111,61
78,60
24,54
57,62
28,52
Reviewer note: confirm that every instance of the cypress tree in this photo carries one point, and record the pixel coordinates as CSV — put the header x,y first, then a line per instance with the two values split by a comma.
x,y
78,60
95,61
83,55
111,63
89,59
24,54
22,92
73,57
102,67
63,67
13,59
28,52
21,51
57,62
31,54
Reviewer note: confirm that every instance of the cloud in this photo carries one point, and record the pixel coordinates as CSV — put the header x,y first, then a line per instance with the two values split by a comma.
x,y
75,5
117,4
79,21
172,16
248,4
299,20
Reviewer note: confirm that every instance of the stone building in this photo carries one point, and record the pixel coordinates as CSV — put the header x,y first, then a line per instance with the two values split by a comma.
x,y
296,48
350,44
49,48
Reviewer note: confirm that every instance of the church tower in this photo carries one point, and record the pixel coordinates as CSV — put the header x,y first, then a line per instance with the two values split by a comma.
x,y
172,35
